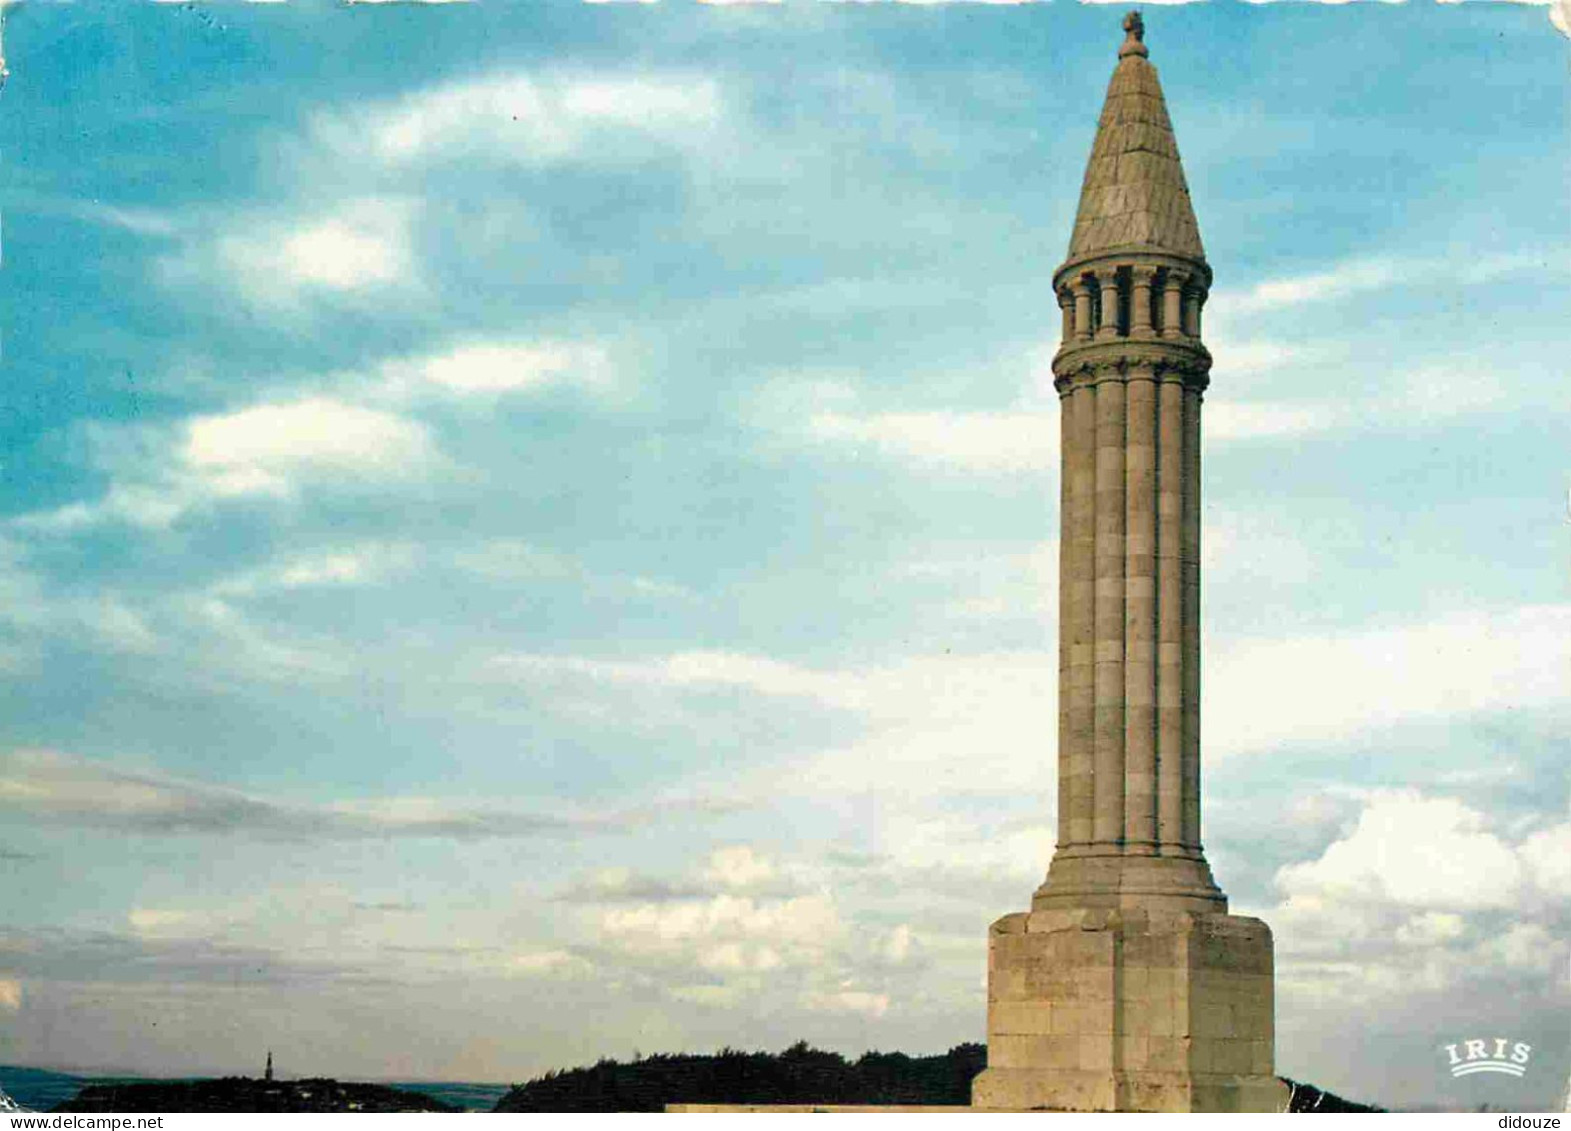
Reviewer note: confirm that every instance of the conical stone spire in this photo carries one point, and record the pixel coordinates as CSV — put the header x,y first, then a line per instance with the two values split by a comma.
x,y
1134,196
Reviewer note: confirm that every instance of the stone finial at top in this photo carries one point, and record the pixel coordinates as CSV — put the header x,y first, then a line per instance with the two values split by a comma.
x,y
1134,195
1134,35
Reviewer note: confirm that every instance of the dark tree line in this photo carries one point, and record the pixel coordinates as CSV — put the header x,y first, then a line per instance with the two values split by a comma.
x,y
800,1075
238,1093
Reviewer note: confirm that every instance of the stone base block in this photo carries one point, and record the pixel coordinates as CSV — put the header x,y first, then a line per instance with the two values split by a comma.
x,y
1027,1089
1096,1009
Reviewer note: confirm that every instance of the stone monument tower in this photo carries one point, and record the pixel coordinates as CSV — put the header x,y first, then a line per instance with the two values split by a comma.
x,y
1128,986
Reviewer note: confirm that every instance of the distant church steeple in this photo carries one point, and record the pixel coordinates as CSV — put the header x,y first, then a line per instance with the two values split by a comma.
x,y
269,1074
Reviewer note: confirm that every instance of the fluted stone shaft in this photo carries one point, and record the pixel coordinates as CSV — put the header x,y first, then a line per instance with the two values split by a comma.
x,y
1108,756
1130,375
1170,622
1077,585
1077,615
1140,609
1190,552
1129,610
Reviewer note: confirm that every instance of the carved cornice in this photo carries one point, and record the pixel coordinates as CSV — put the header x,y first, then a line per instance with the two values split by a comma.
x,y
1122,359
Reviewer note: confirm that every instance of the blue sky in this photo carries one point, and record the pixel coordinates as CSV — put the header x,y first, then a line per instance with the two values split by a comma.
x,y
528,531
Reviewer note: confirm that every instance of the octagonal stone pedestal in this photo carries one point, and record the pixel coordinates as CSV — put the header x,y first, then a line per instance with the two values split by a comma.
x,y
1094,1009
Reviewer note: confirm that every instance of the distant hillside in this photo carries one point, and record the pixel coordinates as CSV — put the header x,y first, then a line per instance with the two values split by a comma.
x,y
237,1093
800,1075
38,1089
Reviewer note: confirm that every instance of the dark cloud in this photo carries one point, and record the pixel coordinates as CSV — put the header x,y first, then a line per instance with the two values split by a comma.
x,y
634,888
64,788
59,954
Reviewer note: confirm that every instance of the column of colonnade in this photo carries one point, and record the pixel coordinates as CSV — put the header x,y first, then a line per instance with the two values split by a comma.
x,y
1129,680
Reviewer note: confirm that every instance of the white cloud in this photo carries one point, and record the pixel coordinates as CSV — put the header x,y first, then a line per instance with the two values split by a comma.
x,y
1253,356
1547,856
932,723
738,866
159,473
1413,851
1527,947
264,448
231,645
1240,547
1026,439
801,927
27,603
1006,584
691,670
1337,282
139,221
490,369
959,724
524,118
1423,898
1226,420
1431,928
774,954
342,566
1360,276
136,504
849,1001
343,254
1421,396
1363,680
117,625
994,442
938,725
361,246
